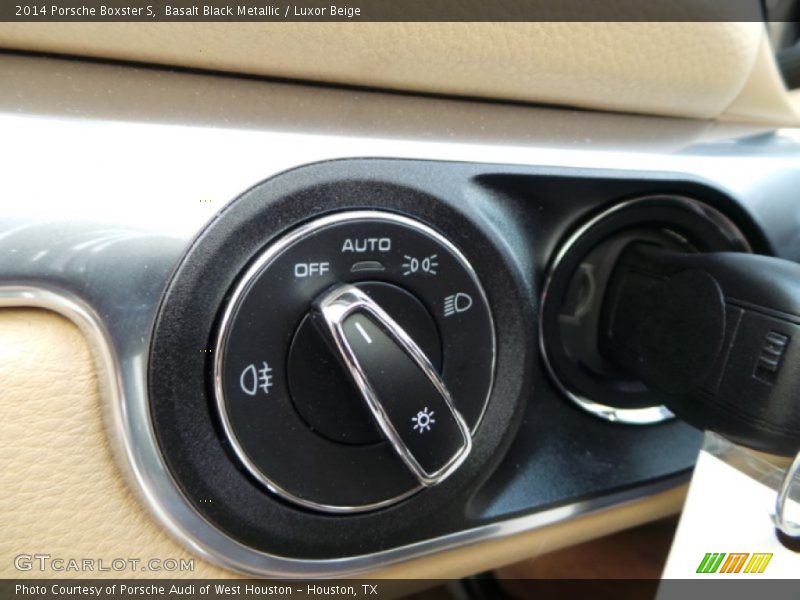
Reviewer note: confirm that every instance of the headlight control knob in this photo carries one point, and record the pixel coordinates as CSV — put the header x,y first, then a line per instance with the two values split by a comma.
x,y
394,377
355,360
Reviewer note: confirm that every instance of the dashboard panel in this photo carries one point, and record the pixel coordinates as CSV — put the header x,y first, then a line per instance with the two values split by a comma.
x,y
198,176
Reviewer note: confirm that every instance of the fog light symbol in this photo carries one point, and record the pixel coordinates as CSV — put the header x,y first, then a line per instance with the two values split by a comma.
x,y
252,379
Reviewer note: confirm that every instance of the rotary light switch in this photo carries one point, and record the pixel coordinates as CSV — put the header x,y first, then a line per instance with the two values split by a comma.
x,y
356,361
395,377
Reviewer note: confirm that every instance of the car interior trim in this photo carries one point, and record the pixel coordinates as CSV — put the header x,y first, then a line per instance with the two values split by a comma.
x,y
174,512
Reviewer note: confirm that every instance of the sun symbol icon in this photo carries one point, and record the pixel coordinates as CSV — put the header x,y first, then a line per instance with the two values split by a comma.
x,y
423,420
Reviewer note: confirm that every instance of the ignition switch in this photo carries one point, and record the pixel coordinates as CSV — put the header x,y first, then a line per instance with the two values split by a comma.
x,y
657,308
578,284
715,335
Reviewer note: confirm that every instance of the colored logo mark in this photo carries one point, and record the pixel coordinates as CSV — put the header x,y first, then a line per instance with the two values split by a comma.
x,y
736,562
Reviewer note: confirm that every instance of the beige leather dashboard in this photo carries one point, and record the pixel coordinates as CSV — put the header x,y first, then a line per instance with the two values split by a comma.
x,y
63,494
701,70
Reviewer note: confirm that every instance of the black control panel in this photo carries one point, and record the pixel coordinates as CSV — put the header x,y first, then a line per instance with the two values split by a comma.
x,y
348,358
299,403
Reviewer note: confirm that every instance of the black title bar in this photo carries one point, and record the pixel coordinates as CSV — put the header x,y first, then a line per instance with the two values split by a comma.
x,y
382,10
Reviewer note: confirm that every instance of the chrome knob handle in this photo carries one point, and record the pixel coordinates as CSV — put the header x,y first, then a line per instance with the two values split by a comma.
x,y
402,390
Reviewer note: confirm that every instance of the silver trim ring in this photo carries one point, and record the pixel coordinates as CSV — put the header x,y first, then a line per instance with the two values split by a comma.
x,y
782,522
263,260
648,415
